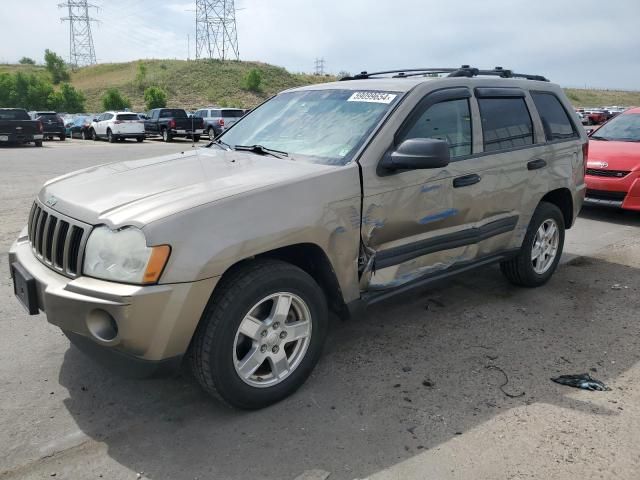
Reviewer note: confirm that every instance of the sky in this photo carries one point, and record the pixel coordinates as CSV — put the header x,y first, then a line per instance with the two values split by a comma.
x,y
576,43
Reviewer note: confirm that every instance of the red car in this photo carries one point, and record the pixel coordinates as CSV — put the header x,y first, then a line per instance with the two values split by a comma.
x,y
613,165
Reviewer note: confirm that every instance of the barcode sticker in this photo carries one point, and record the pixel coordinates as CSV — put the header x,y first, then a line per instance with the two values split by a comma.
x,y
372,97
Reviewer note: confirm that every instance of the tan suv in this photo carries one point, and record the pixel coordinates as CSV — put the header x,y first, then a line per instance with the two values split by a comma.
x,y
324,198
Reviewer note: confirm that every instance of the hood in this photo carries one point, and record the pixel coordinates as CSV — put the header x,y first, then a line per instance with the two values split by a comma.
x,y
618,155
140,191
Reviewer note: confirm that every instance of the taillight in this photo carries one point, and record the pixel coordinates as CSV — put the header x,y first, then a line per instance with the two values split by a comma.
x,y
221,122
40,127
585,155
172,123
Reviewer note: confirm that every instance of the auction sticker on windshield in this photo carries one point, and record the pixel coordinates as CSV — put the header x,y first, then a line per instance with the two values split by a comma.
x,y
372,97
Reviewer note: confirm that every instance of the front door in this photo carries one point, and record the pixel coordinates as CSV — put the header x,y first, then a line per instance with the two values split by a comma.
x,y
418,223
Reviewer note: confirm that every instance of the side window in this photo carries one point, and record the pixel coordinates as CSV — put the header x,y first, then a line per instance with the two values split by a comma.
x,y
506,123
107,116
555,121
449,121
154,114
101,117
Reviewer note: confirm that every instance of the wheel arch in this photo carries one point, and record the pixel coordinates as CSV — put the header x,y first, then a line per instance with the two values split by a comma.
x,y
562,199
313,260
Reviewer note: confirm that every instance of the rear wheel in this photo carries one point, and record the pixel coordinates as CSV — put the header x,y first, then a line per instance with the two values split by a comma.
x,y
63,138
541,249
94,135
38,143
211,132
260,335
110,136
83,134
196,138
140,139
166,135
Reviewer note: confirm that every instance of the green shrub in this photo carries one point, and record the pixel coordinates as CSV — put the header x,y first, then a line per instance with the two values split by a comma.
x,y
253,80
155,97
27,61
56,67
114,100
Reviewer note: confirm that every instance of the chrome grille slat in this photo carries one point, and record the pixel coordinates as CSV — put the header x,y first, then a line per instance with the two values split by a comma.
x,y
57,241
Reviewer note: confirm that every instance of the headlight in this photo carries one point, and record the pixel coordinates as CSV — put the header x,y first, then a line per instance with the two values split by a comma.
x,y
123,256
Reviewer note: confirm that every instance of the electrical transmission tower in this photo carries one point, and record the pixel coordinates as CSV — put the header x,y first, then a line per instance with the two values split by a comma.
x,y
81,51
319,66
216,35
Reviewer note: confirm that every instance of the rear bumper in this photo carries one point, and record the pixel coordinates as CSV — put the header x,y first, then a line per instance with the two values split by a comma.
x,y
179,132
614,192
128,135
19,138
117,324
55,131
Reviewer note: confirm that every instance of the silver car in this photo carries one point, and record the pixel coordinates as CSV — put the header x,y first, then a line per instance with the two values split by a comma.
x,y
329,197
217,120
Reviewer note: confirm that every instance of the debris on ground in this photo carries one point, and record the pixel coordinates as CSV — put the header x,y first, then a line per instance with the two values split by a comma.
x,y
506,381
582,380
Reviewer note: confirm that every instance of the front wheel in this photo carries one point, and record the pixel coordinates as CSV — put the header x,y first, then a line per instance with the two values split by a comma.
x,y
261,334
38,143
84,135
93,135
140,139
196,138
63,138
541,249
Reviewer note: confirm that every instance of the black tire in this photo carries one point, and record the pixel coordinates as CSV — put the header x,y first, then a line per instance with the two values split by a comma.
x,y
38,143
166,135
84,135
93,135
212,133
196,138
211,351
519,270
63,138
110,136
139,139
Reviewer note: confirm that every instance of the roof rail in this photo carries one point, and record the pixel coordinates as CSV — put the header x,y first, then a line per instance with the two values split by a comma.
x,y
463,71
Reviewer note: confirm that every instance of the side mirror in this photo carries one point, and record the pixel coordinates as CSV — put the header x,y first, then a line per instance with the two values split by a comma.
x,y
418,153
94,120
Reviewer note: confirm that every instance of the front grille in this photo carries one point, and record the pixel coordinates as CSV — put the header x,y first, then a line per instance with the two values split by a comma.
x,y
604,195
56,240
596,172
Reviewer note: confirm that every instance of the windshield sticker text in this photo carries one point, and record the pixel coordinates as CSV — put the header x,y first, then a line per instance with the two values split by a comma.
x,y
372,97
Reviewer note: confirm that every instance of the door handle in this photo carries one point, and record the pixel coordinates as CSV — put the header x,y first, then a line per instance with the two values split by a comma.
x,y
536,164
466,180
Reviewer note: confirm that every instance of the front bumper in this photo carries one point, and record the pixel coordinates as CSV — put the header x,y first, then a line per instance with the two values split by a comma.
x,y
153,324
614,192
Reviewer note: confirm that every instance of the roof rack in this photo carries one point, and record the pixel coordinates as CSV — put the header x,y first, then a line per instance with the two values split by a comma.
x,y
463,71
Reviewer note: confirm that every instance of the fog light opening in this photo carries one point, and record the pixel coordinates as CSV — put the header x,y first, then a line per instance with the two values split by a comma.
x,y
102,325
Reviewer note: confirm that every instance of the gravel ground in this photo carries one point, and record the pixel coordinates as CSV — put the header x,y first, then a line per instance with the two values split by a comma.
x,y
412,389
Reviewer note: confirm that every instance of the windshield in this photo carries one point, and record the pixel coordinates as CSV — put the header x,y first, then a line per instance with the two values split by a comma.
x,y
328,126
624,128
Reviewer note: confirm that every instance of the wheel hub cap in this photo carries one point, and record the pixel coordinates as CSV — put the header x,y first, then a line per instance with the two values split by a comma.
x,y
272,339
545,246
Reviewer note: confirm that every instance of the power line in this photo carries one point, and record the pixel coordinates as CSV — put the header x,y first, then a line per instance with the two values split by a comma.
x,y
319,64
216,34
81,50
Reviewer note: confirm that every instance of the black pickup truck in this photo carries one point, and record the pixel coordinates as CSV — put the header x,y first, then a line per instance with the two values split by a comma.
x,y
173,122
17,127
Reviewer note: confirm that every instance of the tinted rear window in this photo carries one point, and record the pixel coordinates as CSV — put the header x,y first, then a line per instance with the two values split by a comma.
x,y
14,115
555,120
506,123
47,116
174,112
232,113
127,116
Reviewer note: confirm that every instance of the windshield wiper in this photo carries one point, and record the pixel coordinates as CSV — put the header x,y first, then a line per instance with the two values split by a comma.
x,y
596,137
259,149
219,143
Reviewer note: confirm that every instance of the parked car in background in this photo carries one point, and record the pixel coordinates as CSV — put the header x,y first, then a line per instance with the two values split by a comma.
x,y
217,120
81,127
117,126
52,124
231,257
595,116
613,169
173,122
583,117
16,126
